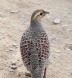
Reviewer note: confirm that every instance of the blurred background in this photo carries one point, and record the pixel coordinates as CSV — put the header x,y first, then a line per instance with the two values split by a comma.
x,y
15,19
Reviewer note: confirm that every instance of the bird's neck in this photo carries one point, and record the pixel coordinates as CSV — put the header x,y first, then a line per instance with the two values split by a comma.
x,y
36,25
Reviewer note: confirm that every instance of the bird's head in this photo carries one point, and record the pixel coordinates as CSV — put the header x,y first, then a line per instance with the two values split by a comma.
x,y
38,14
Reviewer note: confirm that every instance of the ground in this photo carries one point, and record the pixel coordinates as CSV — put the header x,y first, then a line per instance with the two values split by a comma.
x,y
15,19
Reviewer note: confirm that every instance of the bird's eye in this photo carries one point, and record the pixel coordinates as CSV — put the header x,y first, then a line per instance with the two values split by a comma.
x,y
41,13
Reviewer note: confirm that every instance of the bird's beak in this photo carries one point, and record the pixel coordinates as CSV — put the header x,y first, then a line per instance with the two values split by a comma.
x,y
47,12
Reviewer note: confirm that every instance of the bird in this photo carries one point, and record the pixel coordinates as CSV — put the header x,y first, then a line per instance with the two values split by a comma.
x,y
34,46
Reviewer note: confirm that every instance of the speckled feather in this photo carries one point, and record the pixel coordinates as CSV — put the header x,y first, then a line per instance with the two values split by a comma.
x,y
42,47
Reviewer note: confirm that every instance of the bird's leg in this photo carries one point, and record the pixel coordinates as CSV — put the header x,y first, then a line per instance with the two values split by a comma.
x,y
27,74
44,73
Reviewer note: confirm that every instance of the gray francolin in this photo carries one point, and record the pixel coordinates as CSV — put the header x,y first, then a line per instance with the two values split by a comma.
x,y
34,46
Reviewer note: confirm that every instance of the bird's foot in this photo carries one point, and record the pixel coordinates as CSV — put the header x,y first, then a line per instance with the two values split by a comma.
x,y
27,74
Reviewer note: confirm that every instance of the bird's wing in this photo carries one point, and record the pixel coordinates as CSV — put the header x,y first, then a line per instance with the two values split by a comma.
x,y
25,48
43,48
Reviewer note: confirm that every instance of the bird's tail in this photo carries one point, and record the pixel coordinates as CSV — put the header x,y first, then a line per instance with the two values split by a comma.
x,y
35,70
36,73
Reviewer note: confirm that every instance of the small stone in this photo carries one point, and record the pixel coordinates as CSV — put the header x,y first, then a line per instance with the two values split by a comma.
x,y
13,11
68,47
3,31
68,29
11,49
66,25
14,8
27,74
14,44
21,75
13,66
56,21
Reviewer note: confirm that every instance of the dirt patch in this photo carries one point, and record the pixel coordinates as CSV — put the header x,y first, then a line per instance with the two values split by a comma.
x,y
14,20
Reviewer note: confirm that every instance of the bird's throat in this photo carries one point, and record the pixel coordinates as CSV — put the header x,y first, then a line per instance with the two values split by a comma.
x,y
36,25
